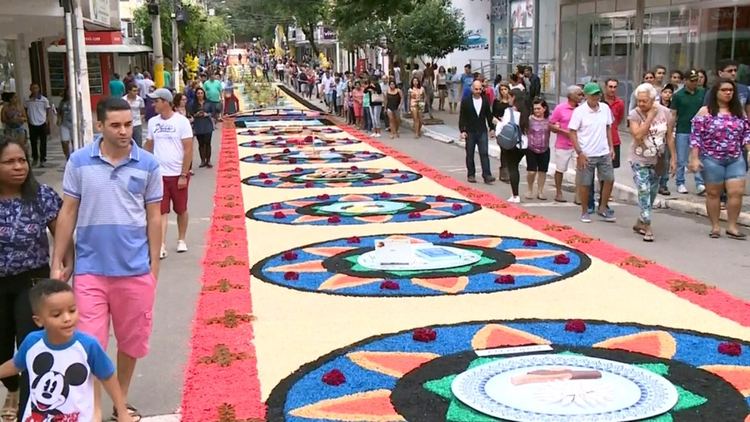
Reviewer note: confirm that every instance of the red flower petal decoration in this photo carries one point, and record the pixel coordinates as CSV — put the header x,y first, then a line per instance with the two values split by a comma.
x,y
394,171
367,182
415,214
308,139
730,348
279,138
353,168
268,182
404,176
289,256
334,219
505,279
257,157
332,150
298,169
344,160
425,335
292,160
263,176
456,207
575,326
440,198
278,215
291,276
445,234
309,184
385,195
562,259
276,206
286,151
324,196
334,377
353,239
389,285
530,243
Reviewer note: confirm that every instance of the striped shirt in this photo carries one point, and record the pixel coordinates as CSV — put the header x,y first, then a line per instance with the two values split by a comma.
x,y
111,236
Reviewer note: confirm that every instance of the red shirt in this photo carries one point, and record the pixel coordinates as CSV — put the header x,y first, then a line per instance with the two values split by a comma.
x,y
618,113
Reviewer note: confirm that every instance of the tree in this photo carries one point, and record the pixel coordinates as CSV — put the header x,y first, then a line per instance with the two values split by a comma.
x,y
198,32
307,14
432,29
256,18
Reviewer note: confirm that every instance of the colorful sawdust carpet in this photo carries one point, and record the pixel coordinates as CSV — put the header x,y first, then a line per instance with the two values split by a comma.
x,y
351,209
324,156
313,178
407,376
450,264
282,142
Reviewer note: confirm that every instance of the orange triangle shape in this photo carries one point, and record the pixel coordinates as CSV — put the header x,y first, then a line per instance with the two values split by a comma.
x,y
299,203
523,269
405,237
307,266
384,181
440,204
355,198
485,242
287,185
444,284
654,343
375,218
496,335
328,251
435,213
534,253
309,219
395,364
371,406
412,198
738,376
342,185
343,281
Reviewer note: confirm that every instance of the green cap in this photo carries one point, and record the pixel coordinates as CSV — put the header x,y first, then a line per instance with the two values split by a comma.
x,y
592,88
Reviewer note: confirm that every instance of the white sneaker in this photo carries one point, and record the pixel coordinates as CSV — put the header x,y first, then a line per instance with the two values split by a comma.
x,y
682,189
181,246
514,200
163,253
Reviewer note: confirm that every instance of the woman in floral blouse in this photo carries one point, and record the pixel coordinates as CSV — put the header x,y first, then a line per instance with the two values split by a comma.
x,y
719,138
27,210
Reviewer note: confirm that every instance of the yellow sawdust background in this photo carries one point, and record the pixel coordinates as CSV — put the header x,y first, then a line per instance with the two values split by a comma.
x,y
295,327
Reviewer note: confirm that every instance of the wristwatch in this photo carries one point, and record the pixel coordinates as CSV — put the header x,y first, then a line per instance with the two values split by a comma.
x,y
183,175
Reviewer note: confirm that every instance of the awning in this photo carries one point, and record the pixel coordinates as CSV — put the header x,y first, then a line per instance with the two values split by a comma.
x,y
106,48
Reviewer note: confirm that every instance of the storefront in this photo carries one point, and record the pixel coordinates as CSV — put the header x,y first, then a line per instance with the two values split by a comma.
x,y
598,37
7,66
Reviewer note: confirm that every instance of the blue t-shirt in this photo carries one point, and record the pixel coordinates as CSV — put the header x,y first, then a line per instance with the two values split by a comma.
x,y
60,382
466,81
23,231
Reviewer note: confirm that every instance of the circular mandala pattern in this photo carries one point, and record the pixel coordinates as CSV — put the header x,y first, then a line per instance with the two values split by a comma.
x,y
456,264
282,142
279,131
394,377
310,157
312,178
351,209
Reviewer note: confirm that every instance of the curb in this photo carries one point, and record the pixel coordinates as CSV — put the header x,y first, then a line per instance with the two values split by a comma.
x,y
620,191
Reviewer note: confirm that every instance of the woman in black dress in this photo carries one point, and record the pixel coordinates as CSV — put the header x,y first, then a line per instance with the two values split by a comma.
x,y
392,103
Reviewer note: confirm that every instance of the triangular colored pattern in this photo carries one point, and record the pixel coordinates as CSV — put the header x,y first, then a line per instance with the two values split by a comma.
x,y
518,270
534,253
738,376
395,364
285,211
405,237
328,251
484,242
309,219
343,281
375,218
435,213
384,181
307,266
288,185
443,284
343,185
441,204
496,335
413,198
371,406
355,198
654,343
299,204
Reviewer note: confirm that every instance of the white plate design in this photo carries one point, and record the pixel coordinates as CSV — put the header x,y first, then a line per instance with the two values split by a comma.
x,y
420,257
564,388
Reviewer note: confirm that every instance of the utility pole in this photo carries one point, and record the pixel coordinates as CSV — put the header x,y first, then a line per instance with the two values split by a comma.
x,y
153,11
637,53
177,16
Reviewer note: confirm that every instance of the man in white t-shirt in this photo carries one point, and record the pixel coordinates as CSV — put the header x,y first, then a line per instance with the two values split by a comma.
x,y
170,139
591,135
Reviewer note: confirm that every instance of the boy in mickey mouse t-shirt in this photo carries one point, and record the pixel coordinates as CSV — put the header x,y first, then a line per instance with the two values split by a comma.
x,y
61,361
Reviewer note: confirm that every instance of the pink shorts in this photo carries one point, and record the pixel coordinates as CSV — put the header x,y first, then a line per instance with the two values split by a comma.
x,y
128,300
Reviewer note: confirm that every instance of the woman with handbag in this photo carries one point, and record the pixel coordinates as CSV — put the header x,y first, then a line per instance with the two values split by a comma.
x,y
651,125
538,154
516,116
376,107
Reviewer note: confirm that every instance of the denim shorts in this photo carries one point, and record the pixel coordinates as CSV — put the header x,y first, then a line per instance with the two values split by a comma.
x,y
718,171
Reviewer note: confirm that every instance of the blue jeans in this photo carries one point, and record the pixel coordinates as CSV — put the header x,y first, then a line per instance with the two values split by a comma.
x,y
683,154
477,140
716,172
368,118
664,176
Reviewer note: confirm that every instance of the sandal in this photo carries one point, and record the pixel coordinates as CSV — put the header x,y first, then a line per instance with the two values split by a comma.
x,y
132,411
714,234
648,237
736,236
638,229
9,412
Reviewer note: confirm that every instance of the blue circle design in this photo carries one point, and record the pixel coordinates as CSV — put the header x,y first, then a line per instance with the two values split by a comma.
x,y
328,157
299,178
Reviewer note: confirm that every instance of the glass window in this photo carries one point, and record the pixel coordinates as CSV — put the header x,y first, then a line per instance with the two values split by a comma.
x,y
7,66
547,48
567,53
715,31
586,49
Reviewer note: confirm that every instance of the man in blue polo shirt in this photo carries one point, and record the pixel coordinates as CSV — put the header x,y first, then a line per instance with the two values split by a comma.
x,y
112,195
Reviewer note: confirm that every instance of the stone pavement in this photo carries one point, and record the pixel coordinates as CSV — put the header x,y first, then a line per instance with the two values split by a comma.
x,y
624,190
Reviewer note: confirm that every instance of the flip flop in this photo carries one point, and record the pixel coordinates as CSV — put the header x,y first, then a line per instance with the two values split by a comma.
x,y
560,200
714,235
648,237
736,236
132,411
639,230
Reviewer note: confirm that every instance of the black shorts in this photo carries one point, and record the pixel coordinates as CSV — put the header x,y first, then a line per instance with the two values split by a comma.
x,y
536,161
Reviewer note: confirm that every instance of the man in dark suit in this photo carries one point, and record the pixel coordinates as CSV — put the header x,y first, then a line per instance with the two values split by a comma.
x,y
474,117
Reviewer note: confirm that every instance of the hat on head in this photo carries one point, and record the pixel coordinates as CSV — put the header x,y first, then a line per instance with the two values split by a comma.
x,y
592,88
162,93
692,75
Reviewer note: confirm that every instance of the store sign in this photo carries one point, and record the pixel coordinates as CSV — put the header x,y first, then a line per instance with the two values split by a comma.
x,y
103,38
100,11
328,34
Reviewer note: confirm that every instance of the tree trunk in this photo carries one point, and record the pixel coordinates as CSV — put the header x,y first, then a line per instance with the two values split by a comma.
x,y
309,31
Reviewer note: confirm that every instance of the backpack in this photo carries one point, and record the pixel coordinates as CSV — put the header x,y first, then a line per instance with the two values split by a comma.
x,y
510,135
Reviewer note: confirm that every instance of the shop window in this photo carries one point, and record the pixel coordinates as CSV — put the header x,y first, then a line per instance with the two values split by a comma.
x,y
57,65
96,83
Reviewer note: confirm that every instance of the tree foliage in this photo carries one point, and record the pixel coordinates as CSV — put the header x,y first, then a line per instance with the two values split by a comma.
x,y
433,29
198,32
256,19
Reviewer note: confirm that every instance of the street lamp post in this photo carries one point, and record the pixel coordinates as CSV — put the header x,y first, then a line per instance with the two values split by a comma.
x,y
153,11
